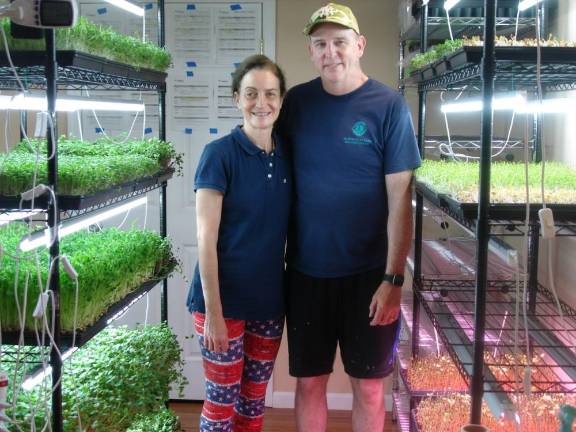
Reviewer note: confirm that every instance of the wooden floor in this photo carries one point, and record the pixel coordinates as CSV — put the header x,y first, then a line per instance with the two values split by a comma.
x,y
276,419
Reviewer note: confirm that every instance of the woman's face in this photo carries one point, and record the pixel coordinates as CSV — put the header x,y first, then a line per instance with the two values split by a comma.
x,y
259,99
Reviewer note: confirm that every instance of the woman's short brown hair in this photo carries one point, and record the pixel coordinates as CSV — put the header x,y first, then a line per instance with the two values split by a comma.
x,y
257,61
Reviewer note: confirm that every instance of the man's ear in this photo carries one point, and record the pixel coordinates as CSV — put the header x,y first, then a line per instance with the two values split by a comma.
x,y
361,41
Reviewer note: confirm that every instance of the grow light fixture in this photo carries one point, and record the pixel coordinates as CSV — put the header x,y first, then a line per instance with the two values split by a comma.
x,y
509,102
39,376
125,309
525,4
127,6
13,216
66,104
548,106
449,4
27,244
515,102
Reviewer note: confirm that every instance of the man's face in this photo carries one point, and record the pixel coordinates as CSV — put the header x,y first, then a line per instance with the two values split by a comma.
x,y
335,51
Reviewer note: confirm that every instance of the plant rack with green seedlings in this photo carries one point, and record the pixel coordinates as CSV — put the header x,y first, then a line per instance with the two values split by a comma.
x,y
436,52
458,181
110,264
86,168
97,40
119,381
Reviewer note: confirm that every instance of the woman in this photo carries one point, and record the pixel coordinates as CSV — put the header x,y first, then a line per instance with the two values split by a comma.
x,y
243,189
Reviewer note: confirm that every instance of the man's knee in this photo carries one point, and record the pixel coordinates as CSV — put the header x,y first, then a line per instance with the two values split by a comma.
x,y
312,385
368,391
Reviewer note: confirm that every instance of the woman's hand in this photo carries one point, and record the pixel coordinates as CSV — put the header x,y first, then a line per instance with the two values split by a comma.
x,y
215,333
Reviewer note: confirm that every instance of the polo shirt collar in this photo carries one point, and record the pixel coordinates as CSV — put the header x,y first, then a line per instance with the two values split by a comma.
x,y
250,147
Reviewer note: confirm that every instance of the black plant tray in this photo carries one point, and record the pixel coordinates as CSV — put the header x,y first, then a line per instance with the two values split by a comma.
x,y
515,66
76,67
98,199
551,55
83,336
436,198
427,72
504,211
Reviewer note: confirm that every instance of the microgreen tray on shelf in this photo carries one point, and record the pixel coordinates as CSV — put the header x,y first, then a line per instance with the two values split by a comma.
x,y
112,265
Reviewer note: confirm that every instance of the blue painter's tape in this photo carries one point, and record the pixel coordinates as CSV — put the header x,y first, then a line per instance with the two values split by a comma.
x,y
188,131
191,64
101,11
235,7
149,6
99,130
191,7
148,130
213,131
236,65
190,73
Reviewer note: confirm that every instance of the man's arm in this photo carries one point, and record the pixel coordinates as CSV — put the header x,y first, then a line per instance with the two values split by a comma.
x,y
385,305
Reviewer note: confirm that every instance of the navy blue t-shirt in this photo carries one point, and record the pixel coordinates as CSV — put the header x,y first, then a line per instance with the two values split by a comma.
x,y
342,147
253,226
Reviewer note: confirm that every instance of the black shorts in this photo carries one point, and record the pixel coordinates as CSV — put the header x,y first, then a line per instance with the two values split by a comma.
x,y
324,312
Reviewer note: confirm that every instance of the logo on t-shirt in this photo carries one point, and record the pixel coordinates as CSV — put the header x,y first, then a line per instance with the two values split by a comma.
x,y
359,129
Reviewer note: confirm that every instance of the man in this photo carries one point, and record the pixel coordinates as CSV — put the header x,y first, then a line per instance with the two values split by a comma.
x,y
353,149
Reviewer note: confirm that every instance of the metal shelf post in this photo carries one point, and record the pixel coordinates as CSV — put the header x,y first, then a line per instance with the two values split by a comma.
x,y
483,228
53,222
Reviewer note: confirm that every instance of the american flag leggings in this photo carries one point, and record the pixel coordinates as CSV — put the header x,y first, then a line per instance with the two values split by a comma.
x,y
236,380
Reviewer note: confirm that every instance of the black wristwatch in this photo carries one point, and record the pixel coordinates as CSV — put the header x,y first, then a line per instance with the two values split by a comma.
x,y
395,279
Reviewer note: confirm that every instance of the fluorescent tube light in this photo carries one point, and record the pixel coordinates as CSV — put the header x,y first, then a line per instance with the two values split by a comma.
x,y
550,106
516,102
525,4
12,216
67,104
449,4
125,309
38,377
472,105
44,239
127,6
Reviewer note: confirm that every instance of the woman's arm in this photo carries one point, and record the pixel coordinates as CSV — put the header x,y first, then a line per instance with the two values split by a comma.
x,y
208,215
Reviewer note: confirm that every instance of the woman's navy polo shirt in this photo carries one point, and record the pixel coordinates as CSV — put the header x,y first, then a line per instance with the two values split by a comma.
x,y
253,226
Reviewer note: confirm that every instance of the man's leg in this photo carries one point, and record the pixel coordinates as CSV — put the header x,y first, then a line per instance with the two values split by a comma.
x,y
311,321
311,405
368,411
368,352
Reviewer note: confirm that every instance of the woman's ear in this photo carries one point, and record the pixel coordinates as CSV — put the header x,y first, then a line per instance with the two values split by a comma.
x,y
236,98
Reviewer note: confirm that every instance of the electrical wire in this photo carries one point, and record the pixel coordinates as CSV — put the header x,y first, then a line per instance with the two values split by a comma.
x,y
110,139
517,21
457,156
449,26
550,242
9,57
527,369
21,309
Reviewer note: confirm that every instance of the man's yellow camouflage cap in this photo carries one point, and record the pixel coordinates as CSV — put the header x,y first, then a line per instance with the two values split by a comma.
x,y
332,13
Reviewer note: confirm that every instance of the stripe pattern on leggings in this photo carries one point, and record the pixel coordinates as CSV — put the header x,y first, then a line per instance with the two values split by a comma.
x,y
236,380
